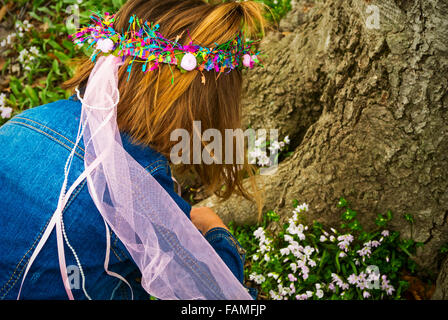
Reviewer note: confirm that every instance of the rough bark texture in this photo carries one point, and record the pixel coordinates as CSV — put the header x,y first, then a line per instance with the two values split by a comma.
x,y
367,112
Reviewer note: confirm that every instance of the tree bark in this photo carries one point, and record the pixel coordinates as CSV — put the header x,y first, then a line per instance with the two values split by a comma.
x,y
366,110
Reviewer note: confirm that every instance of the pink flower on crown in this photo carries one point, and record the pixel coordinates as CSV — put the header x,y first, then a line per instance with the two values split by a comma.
x,y
188,62
247,61
105,45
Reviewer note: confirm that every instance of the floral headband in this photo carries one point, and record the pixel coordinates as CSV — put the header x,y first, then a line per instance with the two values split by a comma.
x,y
143,42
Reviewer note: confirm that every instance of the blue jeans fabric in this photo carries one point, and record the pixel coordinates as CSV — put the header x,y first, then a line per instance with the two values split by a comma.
x,y
34,148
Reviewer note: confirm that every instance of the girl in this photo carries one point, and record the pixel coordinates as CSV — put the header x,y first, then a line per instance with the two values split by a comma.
x,y
146,244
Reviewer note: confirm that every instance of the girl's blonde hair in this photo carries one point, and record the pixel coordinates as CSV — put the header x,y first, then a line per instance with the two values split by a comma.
x,y
151,107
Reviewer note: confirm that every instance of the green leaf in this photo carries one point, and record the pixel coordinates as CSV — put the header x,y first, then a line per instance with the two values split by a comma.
x,y
61,56
389,215
15,87
408,217
338,265
349,214
295,203
31,94
55,45
342,203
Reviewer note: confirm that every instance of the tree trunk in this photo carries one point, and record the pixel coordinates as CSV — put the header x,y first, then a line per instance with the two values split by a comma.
x,y
366,110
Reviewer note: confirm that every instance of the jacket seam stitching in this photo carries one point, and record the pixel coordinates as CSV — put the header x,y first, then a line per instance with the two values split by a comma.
x,y
231,241
46,134
60,142
59,134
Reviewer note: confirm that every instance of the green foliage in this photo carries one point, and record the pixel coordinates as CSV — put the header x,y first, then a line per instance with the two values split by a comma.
x,y
277,9
35,78
307,262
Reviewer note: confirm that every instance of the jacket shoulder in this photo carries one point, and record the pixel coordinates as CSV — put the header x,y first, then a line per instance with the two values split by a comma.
x,y
59,121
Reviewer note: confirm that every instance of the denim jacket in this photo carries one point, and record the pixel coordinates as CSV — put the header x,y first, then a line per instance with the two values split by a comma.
x,y
34,147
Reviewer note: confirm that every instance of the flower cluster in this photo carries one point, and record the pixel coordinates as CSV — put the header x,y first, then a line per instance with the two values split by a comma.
x,y
264,244
308,262
8,41
21,28
258,154
26,57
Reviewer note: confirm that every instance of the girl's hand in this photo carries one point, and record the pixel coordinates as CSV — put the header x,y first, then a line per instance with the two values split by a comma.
x,y
206,219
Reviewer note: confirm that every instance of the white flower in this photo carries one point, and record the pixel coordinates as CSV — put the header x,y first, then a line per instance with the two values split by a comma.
x,y
291,277
2,100
303,207
339,282
302,296
346,237
274,295
257,278
259,233
385,233
259,141
34,50
285,251
274,147
319,294
267,258
375,244
352,279
256,153
308,251
273,275
366,294
286,140
312,263
264,160
323,238
5,112
23,56
301,263
26,26
364,252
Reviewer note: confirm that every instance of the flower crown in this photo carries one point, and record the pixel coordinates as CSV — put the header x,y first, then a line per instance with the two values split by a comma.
x,y
143,42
